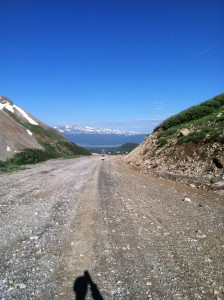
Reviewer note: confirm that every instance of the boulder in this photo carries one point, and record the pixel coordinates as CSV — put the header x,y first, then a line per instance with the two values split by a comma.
x,y
184,132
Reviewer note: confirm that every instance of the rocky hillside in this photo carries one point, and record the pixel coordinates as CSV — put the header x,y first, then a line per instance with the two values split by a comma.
x,y
19,130
189,145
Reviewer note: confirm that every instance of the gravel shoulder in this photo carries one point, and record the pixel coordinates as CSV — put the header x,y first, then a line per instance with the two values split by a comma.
x,y
138,236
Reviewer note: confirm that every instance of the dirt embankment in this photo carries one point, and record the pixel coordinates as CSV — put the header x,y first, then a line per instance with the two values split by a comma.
x,y
199,164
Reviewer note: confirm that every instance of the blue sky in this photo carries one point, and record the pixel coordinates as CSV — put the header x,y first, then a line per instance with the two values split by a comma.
x,y
121,64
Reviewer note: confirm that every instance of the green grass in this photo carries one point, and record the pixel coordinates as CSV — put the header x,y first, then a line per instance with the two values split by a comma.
x,y
33,156
9,168
45,132
193,113
64,150
207,128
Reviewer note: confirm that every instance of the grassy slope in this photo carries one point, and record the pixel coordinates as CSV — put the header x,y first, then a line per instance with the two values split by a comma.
x,y
205,122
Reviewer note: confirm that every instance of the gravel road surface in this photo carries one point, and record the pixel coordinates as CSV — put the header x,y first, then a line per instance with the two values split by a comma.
x,y
91,229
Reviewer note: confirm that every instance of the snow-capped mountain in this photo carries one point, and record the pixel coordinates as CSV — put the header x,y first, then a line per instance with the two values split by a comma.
x,y
15,129
20,130
78,129
88,137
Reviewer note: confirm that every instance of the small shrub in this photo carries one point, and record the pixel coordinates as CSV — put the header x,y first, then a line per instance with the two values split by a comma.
x,y
31,156
195,137
162,142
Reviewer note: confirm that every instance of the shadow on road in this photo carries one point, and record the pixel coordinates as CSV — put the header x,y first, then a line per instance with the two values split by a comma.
x,y
81,285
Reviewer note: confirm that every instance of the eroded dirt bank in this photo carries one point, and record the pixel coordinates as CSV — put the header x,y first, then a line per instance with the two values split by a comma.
x,y
139,237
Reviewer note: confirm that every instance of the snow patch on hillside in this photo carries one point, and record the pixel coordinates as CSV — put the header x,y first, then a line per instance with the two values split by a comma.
x,y
29,132
7,106
25,115
10,107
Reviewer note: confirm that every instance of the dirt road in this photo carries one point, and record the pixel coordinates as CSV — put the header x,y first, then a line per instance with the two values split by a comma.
x,y
138,237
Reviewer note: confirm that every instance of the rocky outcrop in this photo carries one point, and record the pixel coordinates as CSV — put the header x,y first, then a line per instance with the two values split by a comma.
x,y
202,163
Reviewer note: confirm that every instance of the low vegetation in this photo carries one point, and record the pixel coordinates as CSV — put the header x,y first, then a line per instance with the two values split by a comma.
x,y
194,113
54,144
205,123
32,156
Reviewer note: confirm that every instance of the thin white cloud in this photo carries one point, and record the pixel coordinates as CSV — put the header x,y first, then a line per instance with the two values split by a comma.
x,y
204,51
144,125
159,105
160,108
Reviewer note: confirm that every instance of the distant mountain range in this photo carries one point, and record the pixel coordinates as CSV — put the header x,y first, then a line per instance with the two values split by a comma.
x,y
89,137
82,129
19,130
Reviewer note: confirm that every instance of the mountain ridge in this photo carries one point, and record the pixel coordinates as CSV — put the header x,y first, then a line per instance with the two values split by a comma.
x,y
90,137
84,129
20,130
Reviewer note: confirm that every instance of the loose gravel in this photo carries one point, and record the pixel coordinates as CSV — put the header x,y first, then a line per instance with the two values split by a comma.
x,y
139,237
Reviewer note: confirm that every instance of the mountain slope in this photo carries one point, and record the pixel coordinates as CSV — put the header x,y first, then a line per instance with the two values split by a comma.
x,y
19,130
189,144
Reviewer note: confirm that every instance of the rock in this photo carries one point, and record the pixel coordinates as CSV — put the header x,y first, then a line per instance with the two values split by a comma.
x,y
219,183
202,236
22,286
184,132
174,141
192,185
217,162
34,237
187,200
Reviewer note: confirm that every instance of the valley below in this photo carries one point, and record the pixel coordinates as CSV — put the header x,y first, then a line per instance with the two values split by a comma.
x,y
88,228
